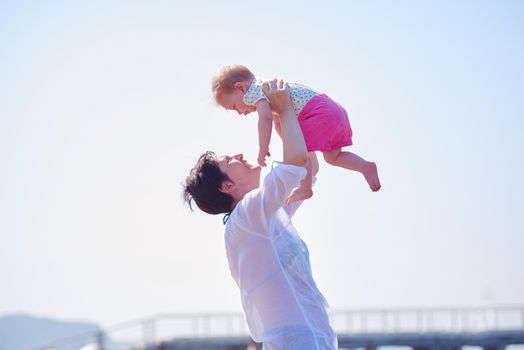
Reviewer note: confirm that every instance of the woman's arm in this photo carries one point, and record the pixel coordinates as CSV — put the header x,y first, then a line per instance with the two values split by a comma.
x,y
294,146
284,176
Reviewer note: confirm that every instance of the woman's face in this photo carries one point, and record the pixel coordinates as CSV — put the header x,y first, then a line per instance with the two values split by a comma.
x,y
245,175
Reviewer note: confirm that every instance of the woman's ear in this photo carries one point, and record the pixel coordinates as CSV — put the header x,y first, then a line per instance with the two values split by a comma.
x,y
240,86
227,186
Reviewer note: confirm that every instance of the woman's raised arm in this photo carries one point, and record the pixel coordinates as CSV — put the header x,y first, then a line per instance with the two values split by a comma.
x,y
294,146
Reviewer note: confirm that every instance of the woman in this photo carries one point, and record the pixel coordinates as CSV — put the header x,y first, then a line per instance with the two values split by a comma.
x,y
269,262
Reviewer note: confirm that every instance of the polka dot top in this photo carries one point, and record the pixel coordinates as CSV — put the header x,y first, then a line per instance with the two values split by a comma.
x,y
300,95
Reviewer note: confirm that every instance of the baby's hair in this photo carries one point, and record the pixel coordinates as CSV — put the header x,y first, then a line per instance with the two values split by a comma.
x,y
226,77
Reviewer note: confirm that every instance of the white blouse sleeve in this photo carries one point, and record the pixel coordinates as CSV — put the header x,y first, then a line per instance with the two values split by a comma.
x,y
292,208
279,183
259,206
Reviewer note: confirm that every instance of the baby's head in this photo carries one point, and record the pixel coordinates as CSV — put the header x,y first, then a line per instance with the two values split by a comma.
x,y
229,85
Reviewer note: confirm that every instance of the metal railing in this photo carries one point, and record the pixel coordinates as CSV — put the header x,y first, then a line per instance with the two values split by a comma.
x,y
420,320
164,327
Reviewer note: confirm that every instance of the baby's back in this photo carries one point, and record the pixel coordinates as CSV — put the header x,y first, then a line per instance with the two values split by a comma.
x,y
300,96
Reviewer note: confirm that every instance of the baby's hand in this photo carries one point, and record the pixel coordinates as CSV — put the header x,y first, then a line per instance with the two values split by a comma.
x,y
262,154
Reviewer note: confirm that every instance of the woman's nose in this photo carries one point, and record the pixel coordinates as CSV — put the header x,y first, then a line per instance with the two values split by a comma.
x,y
239,156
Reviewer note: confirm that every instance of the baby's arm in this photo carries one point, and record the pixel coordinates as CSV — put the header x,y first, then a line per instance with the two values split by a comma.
x,y
265,121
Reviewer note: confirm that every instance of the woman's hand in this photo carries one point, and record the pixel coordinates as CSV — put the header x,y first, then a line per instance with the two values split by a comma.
x,y
276,92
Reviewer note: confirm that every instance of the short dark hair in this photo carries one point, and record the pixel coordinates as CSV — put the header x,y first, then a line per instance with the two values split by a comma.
x,y
202,186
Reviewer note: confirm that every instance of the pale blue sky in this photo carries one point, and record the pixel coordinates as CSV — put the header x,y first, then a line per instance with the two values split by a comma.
x,y
105,106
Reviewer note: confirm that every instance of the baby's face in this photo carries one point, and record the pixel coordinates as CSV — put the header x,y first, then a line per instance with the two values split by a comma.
x,y
234,101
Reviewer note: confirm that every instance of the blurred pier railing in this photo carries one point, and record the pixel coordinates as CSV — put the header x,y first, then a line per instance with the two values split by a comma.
x,y
153,330
421,320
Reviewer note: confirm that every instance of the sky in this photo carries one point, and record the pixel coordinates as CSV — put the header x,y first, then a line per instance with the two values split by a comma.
x,y
106,105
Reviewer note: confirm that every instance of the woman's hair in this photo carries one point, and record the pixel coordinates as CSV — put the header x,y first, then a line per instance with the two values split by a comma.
x,y
226,77
202,186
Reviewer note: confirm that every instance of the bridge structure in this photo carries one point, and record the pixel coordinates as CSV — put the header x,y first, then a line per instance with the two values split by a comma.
x,y
490,328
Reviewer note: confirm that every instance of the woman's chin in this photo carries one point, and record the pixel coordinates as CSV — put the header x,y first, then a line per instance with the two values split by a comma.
x,y
258,170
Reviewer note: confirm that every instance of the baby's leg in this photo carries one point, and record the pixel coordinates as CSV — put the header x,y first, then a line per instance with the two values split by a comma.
x,y
304,191
353,162
314,163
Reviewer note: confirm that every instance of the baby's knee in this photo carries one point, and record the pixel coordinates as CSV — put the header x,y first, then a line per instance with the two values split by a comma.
x,y
330,157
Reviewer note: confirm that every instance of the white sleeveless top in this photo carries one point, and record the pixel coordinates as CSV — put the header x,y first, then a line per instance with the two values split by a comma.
x,y
300,95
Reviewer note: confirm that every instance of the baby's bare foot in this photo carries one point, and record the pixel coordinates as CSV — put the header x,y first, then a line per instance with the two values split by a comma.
x,y
371,175
298,194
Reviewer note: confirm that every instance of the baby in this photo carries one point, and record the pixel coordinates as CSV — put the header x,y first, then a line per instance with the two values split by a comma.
x,y
324,123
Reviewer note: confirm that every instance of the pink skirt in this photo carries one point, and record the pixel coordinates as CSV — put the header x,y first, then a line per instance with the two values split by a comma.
x,y
325,124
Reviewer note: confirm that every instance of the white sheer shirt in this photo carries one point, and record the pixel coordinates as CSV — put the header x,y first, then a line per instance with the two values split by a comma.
x,y
270,264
